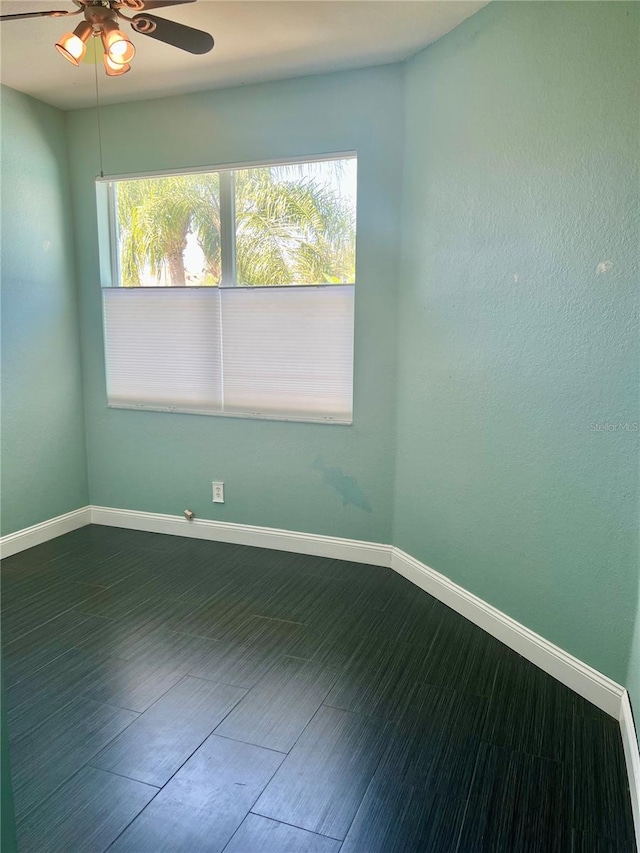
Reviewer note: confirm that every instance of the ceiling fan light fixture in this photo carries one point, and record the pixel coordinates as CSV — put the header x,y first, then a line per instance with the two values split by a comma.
x,y
118,47
114,69
101,20
74,45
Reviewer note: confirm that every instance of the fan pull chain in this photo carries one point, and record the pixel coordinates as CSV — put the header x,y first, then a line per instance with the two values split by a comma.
x,y
99,122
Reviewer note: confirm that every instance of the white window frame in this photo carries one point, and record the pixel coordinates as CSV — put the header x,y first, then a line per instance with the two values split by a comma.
x,y
110,272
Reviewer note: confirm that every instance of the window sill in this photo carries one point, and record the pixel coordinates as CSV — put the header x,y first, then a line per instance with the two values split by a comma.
x,y
259,416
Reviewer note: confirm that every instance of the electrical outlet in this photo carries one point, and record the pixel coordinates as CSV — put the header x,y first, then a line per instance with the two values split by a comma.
x,y
218,493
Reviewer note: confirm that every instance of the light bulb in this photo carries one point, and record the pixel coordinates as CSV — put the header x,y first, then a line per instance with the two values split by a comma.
x,y
114,69
116,44
73,45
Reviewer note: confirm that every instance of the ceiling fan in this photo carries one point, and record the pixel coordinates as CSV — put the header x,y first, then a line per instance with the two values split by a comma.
x,y
101,20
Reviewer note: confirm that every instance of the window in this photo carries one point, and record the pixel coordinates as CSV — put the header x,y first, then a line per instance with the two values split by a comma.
x,y
231,292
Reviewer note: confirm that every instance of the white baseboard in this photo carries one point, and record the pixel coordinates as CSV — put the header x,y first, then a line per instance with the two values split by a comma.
x,y
583,679
43,532
372,553
632,759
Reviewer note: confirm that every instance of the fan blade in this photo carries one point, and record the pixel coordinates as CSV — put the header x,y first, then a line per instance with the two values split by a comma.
x,y
158,4
53,14
178,35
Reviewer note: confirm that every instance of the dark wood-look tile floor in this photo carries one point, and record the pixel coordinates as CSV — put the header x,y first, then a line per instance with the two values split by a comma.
x,y
168,694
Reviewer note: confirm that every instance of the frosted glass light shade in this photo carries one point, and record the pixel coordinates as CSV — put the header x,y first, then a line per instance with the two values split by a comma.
x,y
120,50
73,45
114,69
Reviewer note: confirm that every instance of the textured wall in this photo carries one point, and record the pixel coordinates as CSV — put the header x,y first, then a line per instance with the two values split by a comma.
x,y
311,477
518,319
43,448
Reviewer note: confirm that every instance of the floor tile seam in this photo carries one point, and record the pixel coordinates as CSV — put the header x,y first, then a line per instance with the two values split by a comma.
x,y
364,796
461,694
46,622
211,734
156,788
123,580
110,705
91,585
258,795
193,751
436,636
381,719
236,831
525,753
159,788
467,803
278,619
83,695
229,637
123,552
494,685
134,818
31,568
214,733
9,683
56,584
100,656
470,693
325,666
34,728
492,703
42,803
86,763
89,616
453,693
217,681
244,686
181,677
191,674
119,618
308,660
189,634
25,601
292,825
383,754
70,702
317,711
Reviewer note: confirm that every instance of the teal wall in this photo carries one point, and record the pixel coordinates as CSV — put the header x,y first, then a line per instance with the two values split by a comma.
x,y
519,319
162,462
43,460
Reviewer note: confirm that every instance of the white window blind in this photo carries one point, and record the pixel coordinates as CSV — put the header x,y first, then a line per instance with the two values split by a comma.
x,y
288,351
163,348
273,352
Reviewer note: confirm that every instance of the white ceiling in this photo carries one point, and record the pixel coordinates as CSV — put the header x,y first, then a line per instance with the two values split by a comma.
x,y
255,41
